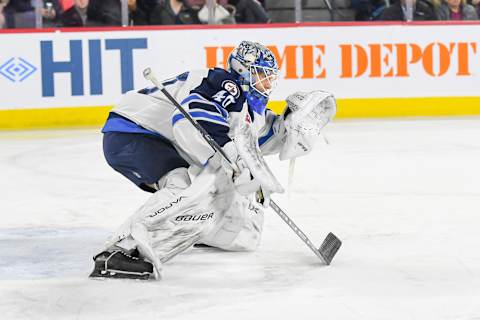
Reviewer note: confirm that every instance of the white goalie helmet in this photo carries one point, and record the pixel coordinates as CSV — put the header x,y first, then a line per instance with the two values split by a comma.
x,y
303,120
256,67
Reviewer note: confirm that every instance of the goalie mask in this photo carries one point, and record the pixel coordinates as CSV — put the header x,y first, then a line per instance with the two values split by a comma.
x,y
257,70
303,119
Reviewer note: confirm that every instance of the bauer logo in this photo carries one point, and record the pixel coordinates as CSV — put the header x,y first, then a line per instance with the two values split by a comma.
x,y
168,206
195,217
121,53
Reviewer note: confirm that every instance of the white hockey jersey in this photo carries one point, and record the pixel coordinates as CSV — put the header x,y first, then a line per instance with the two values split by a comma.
x,y
212,97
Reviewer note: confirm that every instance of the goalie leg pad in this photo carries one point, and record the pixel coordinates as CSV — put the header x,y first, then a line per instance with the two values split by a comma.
x,y
240,228
159,204
173,220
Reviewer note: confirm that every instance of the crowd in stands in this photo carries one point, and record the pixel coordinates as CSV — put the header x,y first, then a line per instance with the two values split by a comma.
x,y
79,13
422,10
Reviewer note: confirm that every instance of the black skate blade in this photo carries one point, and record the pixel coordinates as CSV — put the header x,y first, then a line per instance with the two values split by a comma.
x,y
329,248
113,274
201,245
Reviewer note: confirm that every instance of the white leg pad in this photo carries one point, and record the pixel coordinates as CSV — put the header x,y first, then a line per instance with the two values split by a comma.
x,y
176,217
240,229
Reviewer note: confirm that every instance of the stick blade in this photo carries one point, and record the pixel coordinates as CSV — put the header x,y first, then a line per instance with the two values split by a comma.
x,y
329,247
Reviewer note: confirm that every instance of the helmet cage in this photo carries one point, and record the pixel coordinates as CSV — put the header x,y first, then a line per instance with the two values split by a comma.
x,y
263,79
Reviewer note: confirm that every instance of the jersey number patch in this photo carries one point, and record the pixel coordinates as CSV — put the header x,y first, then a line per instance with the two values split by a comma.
x,y
224,98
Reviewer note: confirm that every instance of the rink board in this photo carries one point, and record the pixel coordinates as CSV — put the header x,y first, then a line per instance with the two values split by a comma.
x,y
347,108
72,77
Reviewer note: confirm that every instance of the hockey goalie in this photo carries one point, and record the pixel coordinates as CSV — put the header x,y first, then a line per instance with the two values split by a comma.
x,y
198,197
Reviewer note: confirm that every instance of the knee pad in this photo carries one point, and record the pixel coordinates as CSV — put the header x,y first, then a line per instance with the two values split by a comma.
x,y
176,180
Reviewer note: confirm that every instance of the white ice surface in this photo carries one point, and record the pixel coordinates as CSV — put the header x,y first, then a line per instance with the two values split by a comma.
x,y
404,196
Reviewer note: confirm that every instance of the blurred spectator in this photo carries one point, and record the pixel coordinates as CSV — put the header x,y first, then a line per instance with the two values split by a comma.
x,y
76,16
456,10
174,12
105,12
21,13
3,3
141,11
222,14
51,13
476,5
366,10
422,10
196,3
66,4
249,11
201,3
109,12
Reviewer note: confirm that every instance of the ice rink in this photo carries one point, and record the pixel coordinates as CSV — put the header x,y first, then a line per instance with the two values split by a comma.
x,y
403,195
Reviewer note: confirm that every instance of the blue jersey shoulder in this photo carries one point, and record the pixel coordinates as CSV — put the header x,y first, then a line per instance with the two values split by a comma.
x,y
220,86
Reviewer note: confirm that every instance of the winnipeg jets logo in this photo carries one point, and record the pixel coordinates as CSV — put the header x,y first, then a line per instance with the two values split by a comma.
x,y
231,87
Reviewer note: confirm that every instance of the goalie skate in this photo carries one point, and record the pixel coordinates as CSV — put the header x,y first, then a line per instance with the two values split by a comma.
x,y
118,264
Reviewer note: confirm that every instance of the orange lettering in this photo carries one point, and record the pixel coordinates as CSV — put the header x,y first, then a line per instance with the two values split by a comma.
x,y
463,58
323,72
375,59
226,53
211,53
386,59
426,56
416,53
347,60
445,58
346,54
362,60
402,65
289,56
307,52
427,59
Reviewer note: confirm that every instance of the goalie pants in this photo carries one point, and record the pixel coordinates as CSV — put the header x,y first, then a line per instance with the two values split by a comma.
x,y
142,158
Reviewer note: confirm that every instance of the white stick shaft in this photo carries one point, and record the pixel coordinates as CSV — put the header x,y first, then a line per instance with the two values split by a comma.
x,y
291,172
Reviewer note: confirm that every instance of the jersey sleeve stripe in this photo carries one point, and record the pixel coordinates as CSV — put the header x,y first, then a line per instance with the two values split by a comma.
x,y
195,97
200,109
201,115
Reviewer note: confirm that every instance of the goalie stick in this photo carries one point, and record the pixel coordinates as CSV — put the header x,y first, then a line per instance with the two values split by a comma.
x,y
329,246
